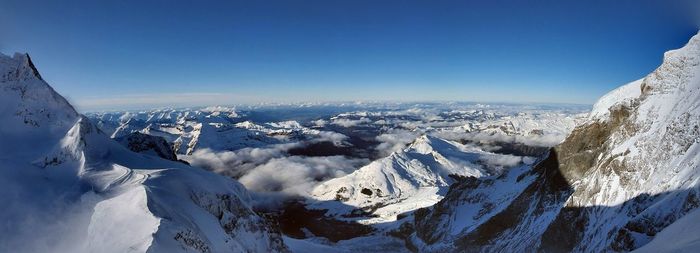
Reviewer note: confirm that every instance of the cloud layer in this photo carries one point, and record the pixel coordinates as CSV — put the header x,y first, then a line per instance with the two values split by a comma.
x,y
271,172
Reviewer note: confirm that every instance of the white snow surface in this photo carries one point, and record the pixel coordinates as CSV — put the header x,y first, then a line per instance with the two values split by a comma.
x,y
69,188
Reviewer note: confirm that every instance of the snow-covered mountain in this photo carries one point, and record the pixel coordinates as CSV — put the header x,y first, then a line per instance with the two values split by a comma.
x,y
415,177
68,187
625,179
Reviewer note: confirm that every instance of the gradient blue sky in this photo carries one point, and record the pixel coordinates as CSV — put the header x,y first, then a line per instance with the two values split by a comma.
x,y
129,54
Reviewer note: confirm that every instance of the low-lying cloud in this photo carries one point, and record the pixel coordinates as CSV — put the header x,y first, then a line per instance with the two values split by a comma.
x,y
547,140
350,122
297,175
237,163
337,139
395,140
49,218
271,172
501,161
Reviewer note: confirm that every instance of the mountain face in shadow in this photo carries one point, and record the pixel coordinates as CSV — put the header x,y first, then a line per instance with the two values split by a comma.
x,y
618,180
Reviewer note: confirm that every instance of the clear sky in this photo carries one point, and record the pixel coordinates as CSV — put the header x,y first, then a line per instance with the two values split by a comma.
x,y
127,54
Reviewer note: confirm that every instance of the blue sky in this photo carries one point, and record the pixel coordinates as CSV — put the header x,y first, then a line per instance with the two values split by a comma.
x,y
129,54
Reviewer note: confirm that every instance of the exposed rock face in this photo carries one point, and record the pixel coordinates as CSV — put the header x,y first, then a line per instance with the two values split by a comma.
x,y
617,181
147,144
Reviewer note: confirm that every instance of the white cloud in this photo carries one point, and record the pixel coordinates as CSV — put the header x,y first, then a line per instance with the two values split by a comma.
x,y
337,139
547,140
236,163
350,122
502,161
395,140
320,122
272,174
297,175
49,219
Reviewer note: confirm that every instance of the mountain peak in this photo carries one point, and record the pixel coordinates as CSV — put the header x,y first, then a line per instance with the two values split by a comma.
x,y
21,60
27,61
422,144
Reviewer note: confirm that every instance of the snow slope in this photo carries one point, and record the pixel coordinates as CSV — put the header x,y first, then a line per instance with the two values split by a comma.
x,y
681,236
69,188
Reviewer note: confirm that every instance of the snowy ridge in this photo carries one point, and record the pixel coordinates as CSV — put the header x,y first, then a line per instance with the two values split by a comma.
x,y
111,199
623,95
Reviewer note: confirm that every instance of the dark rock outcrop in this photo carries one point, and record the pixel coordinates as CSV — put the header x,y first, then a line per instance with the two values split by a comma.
x,y
148,144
